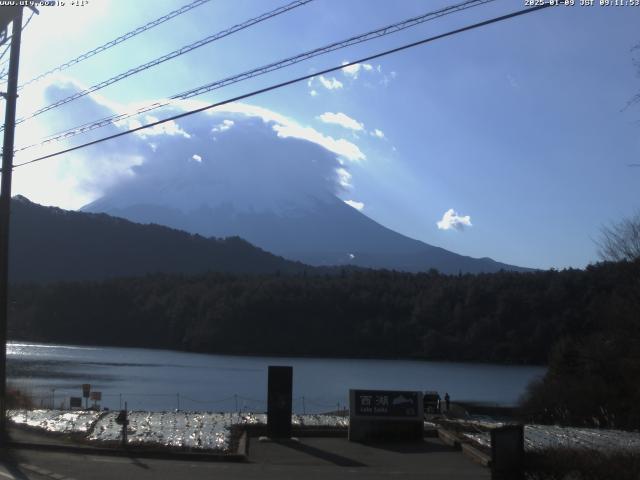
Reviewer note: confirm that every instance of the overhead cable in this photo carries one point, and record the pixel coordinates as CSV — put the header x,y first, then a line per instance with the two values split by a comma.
x,y
380,32
167,57
290,82
4,71
118,40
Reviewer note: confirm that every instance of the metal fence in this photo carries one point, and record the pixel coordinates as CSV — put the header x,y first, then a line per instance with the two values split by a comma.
x,y
56,399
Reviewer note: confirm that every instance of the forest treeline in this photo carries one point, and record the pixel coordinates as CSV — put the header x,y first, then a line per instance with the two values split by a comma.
x,y
502,317
592,378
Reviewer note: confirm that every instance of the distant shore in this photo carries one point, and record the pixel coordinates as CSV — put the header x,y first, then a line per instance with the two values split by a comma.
x,y
22,341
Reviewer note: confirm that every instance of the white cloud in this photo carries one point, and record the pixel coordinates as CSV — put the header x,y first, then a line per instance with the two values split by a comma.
x,y
342,120
167,128
340,146
354,70
224,126
253,165
354,204
286,127
330,83
377,133
386,79
344,178
81,177
451,220
351,70
313,92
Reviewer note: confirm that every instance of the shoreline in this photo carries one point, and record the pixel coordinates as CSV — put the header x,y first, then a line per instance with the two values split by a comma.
x,y
12,341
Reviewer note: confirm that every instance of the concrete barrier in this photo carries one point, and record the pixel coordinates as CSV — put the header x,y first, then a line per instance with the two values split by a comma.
x,y
449,438
476,455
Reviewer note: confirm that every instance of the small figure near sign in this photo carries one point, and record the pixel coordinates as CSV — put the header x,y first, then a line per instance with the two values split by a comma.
x,y
122,419
86,391
431,403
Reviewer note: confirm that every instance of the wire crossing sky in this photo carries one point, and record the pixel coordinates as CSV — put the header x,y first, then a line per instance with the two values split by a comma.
x,y
354,40
116,41
167,57
511,141
289,82
4,63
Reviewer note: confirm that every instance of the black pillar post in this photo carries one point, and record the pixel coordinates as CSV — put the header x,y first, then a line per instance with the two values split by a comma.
x,y
279,404
5,206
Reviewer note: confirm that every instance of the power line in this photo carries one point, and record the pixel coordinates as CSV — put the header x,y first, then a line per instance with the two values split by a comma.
x,y
28,20
4,71
120,39
4,52
168,56
380,32
389,29
290,82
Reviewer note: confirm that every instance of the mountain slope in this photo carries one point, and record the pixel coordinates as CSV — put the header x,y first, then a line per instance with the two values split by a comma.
x,y
319,230
271,182
49,244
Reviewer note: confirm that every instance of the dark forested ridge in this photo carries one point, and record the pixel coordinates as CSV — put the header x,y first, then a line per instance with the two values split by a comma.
x,y
501,317
51,244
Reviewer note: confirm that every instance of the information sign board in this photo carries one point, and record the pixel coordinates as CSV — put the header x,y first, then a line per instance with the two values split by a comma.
x,y
385,415
386,403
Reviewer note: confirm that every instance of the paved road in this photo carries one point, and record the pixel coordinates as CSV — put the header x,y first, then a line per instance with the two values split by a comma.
x,y
310,459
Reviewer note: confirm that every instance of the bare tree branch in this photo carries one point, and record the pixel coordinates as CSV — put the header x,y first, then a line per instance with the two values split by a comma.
x,y
621,241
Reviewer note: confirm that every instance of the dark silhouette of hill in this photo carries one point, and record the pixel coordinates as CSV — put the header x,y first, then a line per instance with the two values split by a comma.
x,y
50,244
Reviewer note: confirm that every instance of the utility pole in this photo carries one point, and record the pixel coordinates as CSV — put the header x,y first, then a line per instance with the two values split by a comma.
x,y
5,207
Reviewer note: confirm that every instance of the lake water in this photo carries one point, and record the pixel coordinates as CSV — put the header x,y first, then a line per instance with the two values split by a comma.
x,y
166,380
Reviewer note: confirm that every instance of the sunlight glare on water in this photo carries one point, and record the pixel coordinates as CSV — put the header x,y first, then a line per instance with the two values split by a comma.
x,y
159,380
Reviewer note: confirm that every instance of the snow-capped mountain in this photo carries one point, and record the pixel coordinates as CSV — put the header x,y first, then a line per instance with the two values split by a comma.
x,y
316,231
249,177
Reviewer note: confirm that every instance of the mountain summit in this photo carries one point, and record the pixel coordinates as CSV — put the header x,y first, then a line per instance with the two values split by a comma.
x,y
316,231
252,178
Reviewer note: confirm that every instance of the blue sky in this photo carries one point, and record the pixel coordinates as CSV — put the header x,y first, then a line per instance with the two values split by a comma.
x,y
518,130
